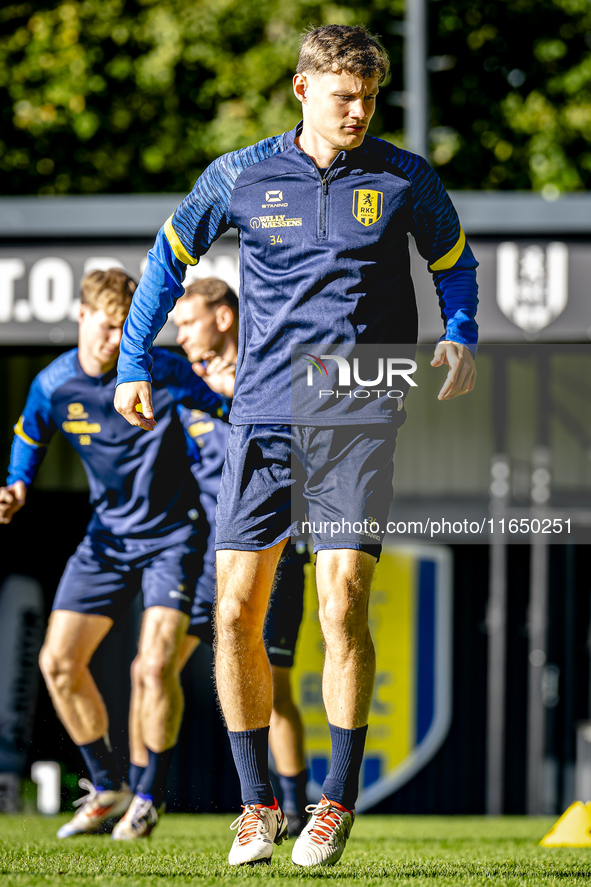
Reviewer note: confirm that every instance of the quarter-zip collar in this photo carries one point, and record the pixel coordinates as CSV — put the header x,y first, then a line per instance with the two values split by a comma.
x,y
341,162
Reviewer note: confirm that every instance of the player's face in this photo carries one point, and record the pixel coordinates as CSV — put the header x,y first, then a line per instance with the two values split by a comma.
x,y
100,337
337,107
198,331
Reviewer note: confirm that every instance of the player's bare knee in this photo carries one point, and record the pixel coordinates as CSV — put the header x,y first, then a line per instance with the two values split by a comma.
x,y
237,621
155,670
60,672
344,618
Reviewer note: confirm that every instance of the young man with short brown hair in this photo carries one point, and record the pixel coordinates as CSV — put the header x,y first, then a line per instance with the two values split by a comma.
x,y
324,214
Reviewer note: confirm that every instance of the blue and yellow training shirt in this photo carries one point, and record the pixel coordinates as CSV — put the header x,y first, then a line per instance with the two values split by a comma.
x,y
141,483
324,258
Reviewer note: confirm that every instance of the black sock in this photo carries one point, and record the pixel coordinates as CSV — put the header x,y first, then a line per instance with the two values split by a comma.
x,y
250,749
134,776
294,793
152,782
99,759
342,781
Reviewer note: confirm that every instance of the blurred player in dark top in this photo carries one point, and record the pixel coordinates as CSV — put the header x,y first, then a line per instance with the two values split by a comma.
x,y
207,320
147,531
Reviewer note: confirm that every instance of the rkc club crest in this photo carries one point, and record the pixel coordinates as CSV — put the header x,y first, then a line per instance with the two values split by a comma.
x,y
367,206
410,615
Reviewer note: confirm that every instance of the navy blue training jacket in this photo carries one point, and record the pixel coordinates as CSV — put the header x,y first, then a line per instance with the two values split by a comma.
x,y
324,258
140,481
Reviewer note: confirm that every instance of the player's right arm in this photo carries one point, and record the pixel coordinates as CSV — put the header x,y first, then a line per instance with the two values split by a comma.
x,y
32,434
199,220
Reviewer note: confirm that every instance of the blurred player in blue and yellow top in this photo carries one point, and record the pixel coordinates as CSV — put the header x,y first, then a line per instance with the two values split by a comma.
x,y
207,320
147,531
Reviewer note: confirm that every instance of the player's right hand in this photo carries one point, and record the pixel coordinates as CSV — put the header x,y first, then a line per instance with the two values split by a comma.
x,y
12,499
129,396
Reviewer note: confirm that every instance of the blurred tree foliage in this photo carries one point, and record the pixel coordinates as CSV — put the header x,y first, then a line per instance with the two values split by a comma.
x,y
514,108
140,95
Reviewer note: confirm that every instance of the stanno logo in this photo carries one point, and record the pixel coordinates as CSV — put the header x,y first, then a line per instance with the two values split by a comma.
x,y
76,411
273,199
367,206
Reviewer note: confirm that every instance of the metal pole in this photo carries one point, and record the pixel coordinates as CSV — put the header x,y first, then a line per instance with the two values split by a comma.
x,y
537,624
496,614
416,99
496,620
537,617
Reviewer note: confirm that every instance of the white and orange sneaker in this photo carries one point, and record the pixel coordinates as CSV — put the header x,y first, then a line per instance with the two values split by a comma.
x,y
259,827
139,821
323,840
98,811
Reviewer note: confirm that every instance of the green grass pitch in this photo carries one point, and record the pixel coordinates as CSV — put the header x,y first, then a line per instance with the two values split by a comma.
x,y
413,850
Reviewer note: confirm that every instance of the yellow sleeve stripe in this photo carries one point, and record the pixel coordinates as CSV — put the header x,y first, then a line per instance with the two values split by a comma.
x,y
450,258
18,430
176,245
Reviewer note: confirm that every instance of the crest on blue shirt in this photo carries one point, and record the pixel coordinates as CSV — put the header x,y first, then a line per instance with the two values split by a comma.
x,y
367,206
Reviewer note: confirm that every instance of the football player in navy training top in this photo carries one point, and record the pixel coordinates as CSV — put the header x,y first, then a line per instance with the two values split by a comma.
x,y
147,530
324,213
207,320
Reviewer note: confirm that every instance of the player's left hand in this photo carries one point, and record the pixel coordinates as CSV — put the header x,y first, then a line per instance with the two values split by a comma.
x,y
217,372
462,371
12,499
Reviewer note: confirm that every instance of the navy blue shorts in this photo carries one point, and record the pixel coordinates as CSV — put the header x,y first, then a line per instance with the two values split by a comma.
x,y
286,607
334,484
106,572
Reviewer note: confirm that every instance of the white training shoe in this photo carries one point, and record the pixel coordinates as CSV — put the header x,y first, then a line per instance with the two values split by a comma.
x,y
323,840
259,828
98,810
139,821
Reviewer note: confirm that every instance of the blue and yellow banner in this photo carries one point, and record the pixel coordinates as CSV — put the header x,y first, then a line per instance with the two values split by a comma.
x,y
411,624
